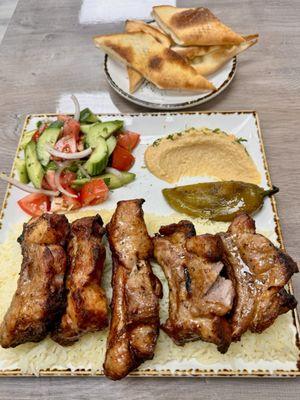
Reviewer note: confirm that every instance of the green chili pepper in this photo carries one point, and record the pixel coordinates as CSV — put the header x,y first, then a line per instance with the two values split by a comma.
x,y
218,201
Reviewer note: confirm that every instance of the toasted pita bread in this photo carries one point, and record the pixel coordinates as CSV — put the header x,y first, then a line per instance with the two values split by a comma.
x,y
210,62
135,78
194,26
140,26
191,52
156,62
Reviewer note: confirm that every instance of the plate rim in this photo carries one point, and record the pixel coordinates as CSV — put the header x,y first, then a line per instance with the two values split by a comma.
x,y
166,106
197,373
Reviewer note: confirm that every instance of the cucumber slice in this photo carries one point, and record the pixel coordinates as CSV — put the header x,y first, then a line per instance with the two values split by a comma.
x,y
49,136
127,177
98,159
111,144
22,170
87,116
85,128
78,183
100,129
27,136
56,124
34,168
115,182
112,181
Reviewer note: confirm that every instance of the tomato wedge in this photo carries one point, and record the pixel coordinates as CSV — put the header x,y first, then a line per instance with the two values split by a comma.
x,y
36,135
66,178
71,202
94,192
66,144
71,129
122,159
63,117
49,180
35,204
128,140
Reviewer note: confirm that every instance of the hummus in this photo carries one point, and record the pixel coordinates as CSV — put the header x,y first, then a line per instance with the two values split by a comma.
x,y
201,152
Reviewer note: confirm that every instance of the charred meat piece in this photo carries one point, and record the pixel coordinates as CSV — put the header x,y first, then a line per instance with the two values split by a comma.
x,y
47,229
40,297
199,297
134,325
86,301
259,271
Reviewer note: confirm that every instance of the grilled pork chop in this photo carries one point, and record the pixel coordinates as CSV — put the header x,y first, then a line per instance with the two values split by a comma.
x,y
134,325
259,272
39,299
199,297
86,302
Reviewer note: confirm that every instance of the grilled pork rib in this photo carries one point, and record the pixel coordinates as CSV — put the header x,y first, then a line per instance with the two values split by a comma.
x,y
86,301
259,271
39,299
134,325
199,297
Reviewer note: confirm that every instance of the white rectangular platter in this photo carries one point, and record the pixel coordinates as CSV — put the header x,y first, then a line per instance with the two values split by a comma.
x,y
152,126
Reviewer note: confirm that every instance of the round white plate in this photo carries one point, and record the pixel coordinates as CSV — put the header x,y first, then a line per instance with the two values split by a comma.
x,y
150,96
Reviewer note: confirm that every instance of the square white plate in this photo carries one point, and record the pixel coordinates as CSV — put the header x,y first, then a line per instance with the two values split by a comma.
x,y
152,126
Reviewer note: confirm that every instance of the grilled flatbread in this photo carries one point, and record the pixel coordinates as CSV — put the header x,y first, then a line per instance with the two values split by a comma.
x,y
194,26
212,61
135,78
140,26
156,62
191,52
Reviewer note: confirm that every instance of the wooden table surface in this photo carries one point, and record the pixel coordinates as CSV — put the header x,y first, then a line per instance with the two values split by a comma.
x,y
47,54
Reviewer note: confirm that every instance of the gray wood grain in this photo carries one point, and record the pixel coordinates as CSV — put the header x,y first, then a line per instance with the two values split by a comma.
x,y
46,52
7,8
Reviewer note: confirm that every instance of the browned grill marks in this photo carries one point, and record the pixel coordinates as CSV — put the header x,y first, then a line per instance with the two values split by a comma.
x,y
192,17
124,51
155,63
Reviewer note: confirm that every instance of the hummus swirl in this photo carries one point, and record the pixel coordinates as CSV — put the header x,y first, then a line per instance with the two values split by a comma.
x,y
201,152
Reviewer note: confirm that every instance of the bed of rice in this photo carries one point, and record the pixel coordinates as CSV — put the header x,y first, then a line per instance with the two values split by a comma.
x,y
273,349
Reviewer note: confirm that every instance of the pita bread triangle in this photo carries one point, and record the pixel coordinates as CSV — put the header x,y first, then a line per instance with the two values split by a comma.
x,y
156,62
134,77
194,26
212,61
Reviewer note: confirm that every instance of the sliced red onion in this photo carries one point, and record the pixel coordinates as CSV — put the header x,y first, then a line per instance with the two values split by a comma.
x,y
57,181
27,188
68,156
83,171
114,171
77,107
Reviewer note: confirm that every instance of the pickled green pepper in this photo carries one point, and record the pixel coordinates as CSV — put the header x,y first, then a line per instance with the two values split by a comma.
x,y
218,201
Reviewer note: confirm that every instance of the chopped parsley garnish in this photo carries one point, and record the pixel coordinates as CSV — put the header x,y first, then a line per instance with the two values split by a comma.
x,y
171,137
156,142
240,140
